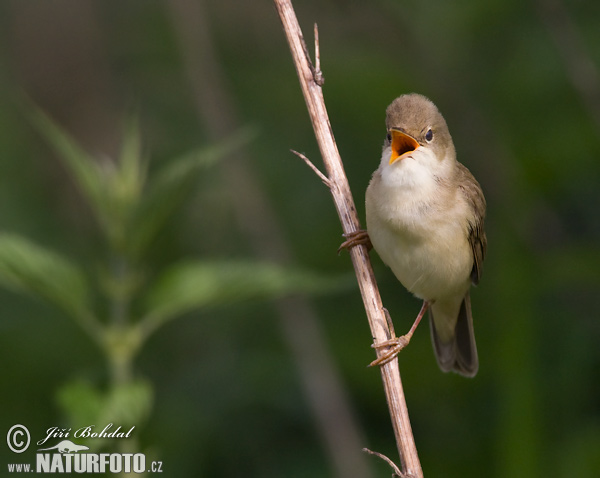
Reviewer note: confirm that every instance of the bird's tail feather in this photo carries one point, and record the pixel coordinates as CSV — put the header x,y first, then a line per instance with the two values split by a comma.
x,y
459,354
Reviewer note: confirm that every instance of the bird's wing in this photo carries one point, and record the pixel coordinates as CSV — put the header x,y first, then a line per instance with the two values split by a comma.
x,y
473,195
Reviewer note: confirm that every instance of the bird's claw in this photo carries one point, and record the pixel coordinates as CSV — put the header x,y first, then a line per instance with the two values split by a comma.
x,y
356,238
398,343
395,346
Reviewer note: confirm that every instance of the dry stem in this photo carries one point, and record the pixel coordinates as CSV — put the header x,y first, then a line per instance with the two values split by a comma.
x,y
310,81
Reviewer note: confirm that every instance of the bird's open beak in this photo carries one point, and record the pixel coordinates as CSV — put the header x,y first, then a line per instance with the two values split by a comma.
x,y
402,145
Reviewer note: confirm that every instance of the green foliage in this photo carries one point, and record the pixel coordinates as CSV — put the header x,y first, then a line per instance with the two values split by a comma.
x,y
86,172
201,284
31,269
131,207
125,403
169,187
81,402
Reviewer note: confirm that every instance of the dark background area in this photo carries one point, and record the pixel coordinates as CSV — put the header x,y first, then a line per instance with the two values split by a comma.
x,y
518,84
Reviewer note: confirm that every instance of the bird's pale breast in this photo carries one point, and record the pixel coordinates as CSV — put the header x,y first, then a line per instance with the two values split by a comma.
x,y
420,239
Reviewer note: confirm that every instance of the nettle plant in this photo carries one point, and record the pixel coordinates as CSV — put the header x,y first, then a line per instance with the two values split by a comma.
x,y
131,207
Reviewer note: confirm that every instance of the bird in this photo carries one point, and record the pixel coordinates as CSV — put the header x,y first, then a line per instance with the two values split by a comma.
x,y
425,216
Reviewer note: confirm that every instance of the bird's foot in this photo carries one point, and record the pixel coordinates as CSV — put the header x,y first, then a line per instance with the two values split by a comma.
x,y
356,238
396,344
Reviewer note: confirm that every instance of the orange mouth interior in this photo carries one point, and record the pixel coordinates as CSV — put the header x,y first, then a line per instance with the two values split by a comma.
x,y
402,144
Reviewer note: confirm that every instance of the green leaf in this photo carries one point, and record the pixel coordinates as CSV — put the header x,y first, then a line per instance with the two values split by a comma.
x,y
202,284
128,403
112,190
123,405
81,403
84,169
29,268
171,185
124,184
130,177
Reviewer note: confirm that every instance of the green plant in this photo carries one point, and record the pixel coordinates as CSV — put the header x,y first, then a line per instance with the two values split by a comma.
x,y
120,307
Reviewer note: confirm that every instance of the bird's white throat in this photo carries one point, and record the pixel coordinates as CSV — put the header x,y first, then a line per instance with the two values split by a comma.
x,y
416,177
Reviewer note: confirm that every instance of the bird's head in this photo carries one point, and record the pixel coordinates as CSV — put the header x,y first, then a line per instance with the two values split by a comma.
x,y
415,126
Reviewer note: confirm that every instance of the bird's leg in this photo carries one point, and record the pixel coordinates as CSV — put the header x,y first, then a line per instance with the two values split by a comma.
x,y
356,238
398,343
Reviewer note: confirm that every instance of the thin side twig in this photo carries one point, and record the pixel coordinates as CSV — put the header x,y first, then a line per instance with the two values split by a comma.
x,y
393,466
324,178
342,197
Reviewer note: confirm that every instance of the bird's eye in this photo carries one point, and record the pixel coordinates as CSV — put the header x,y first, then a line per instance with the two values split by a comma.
x,y
389,138
429,135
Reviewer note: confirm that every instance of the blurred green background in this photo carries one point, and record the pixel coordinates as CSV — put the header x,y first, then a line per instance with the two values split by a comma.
x,y
265,384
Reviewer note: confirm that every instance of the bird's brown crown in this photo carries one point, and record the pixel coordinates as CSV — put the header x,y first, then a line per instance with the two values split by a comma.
x,y
416,115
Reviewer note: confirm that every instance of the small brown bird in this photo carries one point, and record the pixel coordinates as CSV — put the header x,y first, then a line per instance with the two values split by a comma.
x,y
425,214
